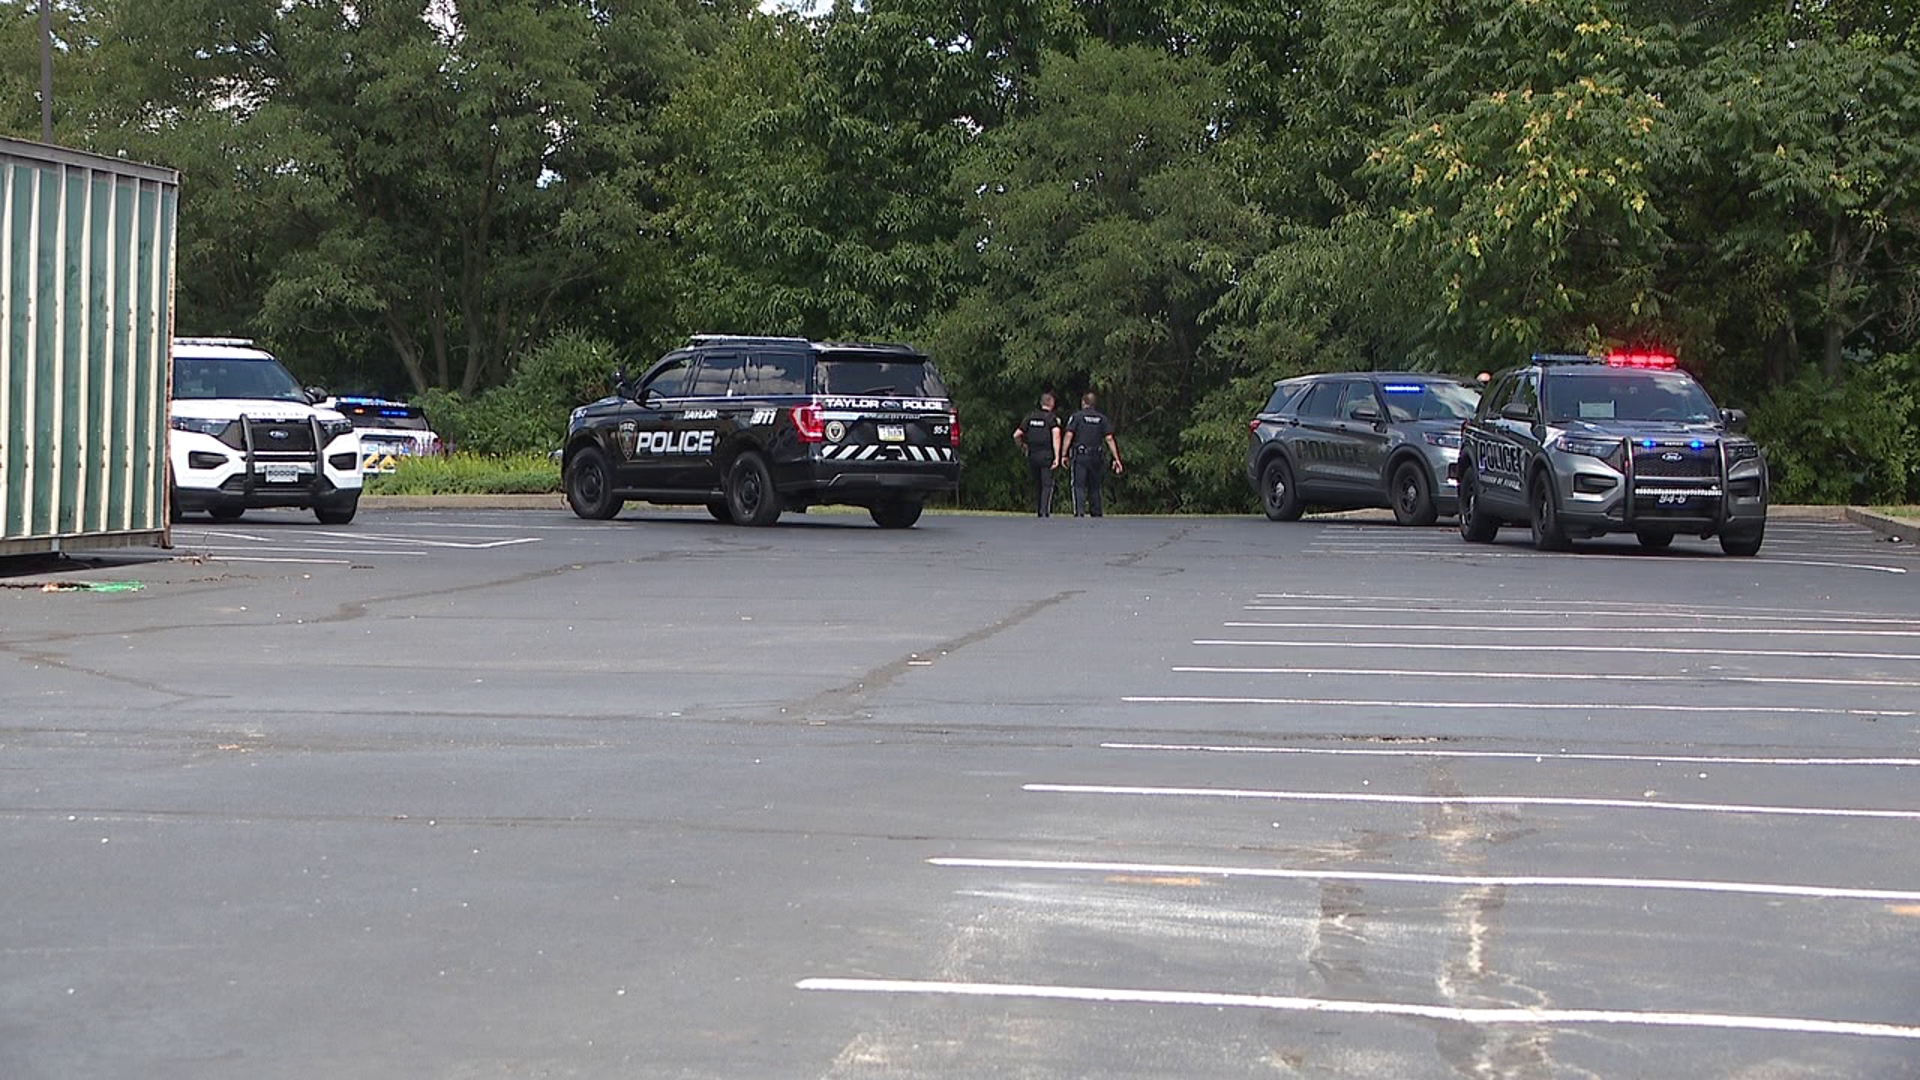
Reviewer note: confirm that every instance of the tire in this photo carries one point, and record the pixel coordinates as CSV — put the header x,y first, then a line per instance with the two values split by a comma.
x,y
1743,545
1654,541
899,514
337,511
1278,496
590,486
1475,527
720,512
1545,518
226,513
1412,495
751,497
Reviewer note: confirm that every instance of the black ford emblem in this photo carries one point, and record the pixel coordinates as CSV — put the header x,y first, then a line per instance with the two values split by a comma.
x,y
1671,456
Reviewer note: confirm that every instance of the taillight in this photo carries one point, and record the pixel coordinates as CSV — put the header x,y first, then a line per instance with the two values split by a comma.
x,y
953,427
1253,426
807,423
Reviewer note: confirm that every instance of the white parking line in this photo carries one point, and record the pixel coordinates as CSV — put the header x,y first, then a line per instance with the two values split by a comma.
x,y
1440,646
1458,1014
245,558
1551,605
461,544
1640,617
1540,676
1534,706
212,549
1470,881
1578,628
1514,755
1375,797
1670,559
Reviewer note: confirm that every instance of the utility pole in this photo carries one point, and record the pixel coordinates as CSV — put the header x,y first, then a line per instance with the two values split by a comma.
x,y
46,71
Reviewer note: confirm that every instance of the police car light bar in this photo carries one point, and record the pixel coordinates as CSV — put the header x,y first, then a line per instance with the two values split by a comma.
x,y
1660,361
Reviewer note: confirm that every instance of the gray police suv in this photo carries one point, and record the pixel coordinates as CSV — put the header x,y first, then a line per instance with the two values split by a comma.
x,y
1579,446
751,426
1360,439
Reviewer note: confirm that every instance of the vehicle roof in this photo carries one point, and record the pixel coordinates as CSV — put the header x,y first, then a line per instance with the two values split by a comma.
x,y
214,348
695,341
1376,376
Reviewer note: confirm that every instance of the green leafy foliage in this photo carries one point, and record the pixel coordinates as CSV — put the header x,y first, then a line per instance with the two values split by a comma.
x,y
469,474
1856,440
529,413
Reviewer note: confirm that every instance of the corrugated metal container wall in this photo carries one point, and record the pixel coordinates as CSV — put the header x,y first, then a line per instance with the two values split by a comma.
x,y
87,289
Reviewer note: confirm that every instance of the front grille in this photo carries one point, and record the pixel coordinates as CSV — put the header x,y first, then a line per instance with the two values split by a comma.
x,y
277,436
1675,464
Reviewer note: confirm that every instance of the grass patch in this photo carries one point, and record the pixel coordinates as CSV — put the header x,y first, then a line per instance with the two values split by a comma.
x,y
469,474
1911,512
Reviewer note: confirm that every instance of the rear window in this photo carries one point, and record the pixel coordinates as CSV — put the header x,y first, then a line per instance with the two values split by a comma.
x,y
877,376
1284,393
774,374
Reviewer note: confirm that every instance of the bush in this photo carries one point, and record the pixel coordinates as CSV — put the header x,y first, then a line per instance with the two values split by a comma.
x,y
529,413
1848,442
469,474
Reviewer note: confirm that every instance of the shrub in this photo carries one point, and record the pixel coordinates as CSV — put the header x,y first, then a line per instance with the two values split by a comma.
x,y
469,474
529,413
1851,441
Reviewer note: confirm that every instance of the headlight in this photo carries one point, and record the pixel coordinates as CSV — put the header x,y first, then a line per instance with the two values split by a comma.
x,y
199,426
333,429
1738,452
1599,448
1448,439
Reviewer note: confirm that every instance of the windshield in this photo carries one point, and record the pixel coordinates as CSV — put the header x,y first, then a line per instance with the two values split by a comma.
x,y
229,377
863,377
1429,400
1642,396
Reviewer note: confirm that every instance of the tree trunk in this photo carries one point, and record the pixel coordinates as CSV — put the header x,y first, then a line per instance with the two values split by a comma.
x,y
1836,304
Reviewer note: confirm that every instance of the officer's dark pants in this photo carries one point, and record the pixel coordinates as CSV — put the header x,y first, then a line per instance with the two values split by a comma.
x,y
1086,484
1042,470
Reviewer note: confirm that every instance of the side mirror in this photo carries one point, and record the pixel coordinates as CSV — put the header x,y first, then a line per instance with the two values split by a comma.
x,y
1366,414
316,394
618,383
1734,419
1516,410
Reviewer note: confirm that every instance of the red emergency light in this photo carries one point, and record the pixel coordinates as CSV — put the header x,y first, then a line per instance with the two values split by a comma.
x,y
1661,361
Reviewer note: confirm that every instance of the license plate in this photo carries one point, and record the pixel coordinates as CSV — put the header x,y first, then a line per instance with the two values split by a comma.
x,y
892,433
281,474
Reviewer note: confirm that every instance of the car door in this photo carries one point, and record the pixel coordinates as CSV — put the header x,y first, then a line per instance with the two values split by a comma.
x,y
702,426
645,427
1310,437
1509,443
1364,440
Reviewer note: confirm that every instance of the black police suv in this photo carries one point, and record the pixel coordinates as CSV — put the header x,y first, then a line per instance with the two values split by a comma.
x,y
751,426
1579,446
1359,439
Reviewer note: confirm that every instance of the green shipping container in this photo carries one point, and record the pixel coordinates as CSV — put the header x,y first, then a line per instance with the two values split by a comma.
x,y
87,290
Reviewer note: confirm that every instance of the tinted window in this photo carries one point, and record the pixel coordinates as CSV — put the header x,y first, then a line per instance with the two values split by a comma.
x,y
671,379
862,376
263,379
1357,395
1429,400
1526,391
774,374
716,374
1284,393
1629,396
1320,401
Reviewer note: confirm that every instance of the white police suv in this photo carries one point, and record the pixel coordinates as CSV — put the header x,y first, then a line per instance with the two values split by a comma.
x,y
246,435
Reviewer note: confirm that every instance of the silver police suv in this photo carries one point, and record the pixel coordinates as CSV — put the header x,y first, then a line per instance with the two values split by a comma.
x,y
1579,446
1359,439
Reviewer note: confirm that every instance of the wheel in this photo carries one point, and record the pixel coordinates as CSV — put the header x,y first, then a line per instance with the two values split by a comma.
x,y
1277,494
226,513
1744,545
720,512
1413,495
899,514
1654,540
337,511
1475,527
750,494
590,486
1547,533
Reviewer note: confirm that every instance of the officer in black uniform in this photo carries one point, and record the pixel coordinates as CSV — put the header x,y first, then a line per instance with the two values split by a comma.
x,y
1088,440
1039,435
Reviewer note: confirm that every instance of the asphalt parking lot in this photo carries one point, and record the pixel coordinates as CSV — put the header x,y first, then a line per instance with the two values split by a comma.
x,y
472,794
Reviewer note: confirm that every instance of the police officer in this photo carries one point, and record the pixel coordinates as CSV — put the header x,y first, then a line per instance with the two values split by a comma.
x,y
1087,431
1039,435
